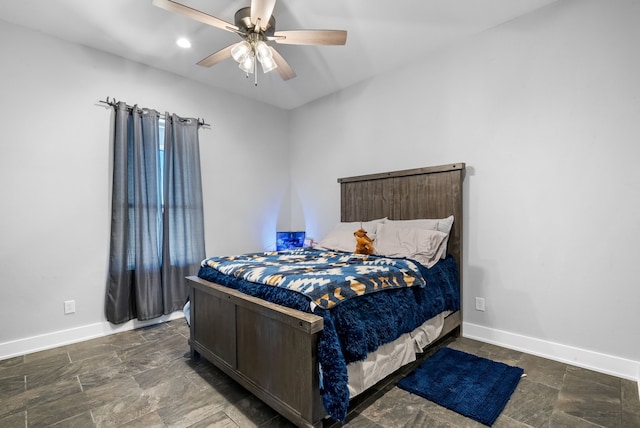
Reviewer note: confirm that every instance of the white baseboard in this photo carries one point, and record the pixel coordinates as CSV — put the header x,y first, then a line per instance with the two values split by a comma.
x,y
42,342
603,363
638,380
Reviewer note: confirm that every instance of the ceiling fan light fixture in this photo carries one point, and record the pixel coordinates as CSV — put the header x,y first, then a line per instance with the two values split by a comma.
x,y
248,64
240,51
268,64
262,51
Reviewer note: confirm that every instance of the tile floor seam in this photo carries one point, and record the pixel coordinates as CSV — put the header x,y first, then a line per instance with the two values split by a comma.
x,y
80,383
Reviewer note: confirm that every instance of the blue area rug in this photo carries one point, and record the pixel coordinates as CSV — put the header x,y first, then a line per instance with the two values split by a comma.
x,y
475,387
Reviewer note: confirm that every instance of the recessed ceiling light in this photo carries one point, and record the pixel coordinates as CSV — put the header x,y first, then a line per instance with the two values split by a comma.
x,y
183,43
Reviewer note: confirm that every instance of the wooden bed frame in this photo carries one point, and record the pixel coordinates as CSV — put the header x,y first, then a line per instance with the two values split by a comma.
x,y
271,350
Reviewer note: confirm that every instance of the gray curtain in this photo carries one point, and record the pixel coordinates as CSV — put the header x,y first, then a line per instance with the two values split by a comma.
x,y
183,221
147,264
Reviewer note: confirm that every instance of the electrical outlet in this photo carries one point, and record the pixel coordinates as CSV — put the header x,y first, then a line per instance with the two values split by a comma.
x,y
480,304
69,307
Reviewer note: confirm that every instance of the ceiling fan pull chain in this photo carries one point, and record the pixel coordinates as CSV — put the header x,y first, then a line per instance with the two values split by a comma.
x,y
255,72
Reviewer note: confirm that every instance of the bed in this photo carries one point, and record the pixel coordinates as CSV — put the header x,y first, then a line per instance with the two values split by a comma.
x,y
274,350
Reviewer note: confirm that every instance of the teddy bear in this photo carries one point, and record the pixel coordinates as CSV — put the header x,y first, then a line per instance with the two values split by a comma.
x,y
364,244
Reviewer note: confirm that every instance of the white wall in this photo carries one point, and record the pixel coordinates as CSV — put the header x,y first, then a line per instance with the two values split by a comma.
x,y
545,111
55,169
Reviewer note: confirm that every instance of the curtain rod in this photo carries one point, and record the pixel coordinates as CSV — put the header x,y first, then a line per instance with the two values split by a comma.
x,y
113,103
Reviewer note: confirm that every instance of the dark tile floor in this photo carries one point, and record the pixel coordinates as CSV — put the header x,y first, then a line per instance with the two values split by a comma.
x,y
145,378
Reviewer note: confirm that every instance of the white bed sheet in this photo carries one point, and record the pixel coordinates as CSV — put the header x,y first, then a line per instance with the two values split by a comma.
x,y
390,357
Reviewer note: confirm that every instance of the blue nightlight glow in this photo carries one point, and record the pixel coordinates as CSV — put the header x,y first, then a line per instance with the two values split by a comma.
x,y
289,240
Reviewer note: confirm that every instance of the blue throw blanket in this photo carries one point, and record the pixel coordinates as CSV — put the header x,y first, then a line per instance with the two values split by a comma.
x,y
325,277
359,326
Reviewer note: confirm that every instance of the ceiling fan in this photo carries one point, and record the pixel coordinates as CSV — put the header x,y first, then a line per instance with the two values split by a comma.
x,y
256,26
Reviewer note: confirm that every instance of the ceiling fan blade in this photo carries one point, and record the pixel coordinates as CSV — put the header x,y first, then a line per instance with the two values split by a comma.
x,y
311,37
217,57
262,10
284,69
195,14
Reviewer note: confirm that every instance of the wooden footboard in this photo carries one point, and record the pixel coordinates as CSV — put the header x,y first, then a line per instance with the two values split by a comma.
x,y
267,348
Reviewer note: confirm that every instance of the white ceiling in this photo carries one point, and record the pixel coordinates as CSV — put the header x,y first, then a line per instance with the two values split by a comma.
x,y
382,35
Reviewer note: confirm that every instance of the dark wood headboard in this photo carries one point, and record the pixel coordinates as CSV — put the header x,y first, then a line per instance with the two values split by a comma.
x,y
431,192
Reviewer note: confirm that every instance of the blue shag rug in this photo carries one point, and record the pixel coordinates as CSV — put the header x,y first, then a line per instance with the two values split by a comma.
x,y
475,387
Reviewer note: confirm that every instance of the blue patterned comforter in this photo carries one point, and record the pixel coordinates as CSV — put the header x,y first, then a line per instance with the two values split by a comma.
x,y
359,326
325,277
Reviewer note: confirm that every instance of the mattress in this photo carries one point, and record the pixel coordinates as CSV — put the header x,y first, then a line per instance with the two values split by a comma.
x,y
391,356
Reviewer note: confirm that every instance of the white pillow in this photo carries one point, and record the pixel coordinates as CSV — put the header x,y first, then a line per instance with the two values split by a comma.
x,y
441,224
341,237
426,246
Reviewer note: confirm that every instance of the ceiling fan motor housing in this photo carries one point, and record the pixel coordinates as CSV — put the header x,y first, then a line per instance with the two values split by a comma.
x,y
243,21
